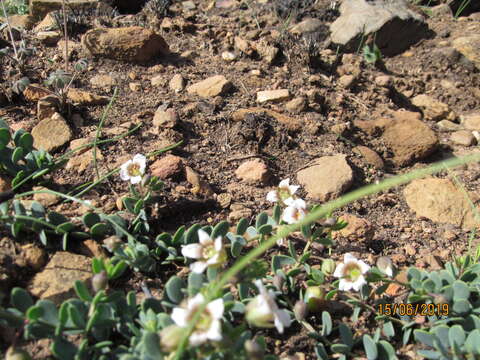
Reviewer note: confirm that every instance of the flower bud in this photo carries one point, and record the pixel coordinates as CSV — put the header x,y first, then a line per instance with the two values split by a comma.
x,y
146,180
254,350
99,281
112,243
258,315
439,299
384,263
16,354
315,298
300,310
278,281
170,337
328,266
329,222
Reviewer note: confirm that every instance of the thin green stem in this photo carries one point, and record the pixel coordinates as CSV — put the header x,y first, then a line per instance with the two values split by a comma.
x,y
310,218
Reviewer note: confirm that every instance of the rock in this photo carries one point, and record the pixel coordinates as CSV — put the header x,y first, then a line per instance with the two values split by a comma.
x,y
432,109
24,22
34,92
48,23
254,172
39,8
327,178
229,56
441,201
5,184
296,105
44,198
103,81
165,118
469,46
395,26
239,211
81,97
384,81
73,51
447,125
177,83
213,86
82,142
47,106
441,10
463,137
471,121
51,133
167,167
33,256
188,5
56,281
224,199
293,124
199,185
409,138
82,160
49,38
307,25
135,86
91,249
132,44
358,229
272,95
370,156
243,45
157,81
346,81
266,51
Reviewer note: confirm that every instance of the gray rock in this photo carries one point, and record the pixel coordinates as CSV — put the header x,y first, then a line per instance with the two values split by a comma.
x,y
395,26
469,47
51,133
327,178
463,137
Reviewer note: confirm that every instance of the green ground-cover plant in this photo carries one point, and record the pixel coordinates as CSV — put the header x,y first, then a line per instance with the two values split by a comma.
x,y
199,317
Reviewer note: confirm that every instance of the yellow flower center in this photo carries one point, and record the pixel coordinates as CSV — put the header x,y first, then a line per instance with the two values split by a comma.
x,y
134,170
352,271
283,194
204,322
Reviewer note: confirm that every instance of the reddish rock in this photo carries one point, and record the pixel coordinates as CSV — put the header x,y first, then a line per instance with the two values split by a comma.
x,y
167,167
254,172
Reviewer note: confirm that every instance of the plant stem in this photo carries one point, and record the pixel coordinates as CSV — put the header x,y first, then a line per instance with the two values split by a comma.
x,y
10,31
65,33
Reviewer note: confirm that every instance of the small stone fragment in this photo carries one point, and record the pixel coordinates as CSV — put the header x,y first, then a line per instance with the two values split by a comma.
x,y
35,92
165,118
432,109
447,125
463,137
253,172
272,95
384,81
56,281
327,178
103,81
471,121
358,229
34,256
370,156
199,185
177,83
47,106
296,105
44,198
469,46
167,167
347,81
213,86
51,133
81,97
135,86
229,56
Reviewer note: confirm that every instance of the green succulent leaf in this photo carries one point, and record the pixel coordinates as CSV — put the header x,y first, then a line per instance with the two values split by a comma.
x,y
195,283
82,291
221,229
63,349
173,289
279,261
99,230
21,299
5,138
242,226
327,324
370,347
90,219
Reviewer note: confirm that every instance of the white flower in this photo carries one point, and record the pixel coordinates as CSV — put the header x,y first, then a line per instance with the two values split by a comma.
x,y
351,273
263,311
296,211
208,326
134,169
283,193
208,252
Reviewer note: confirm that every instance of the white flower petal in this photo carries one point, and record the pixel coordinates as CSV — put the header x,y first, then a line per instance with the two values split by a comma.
x,y
357,285
135,179
193,251
339,270
284,183
124,170
198,338
292,189
261,288
282,242
272,196
345,285
198,267
363,266
216,308
215,331
299,203
289,215
282,320
214,259
218,243
141,160
196,301
180,316
389,271
349,258
289,201
203,237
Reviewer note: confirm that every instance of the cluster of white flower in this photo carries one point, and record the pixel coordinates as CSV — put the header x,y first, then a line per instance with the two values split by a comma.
x,y
296,208
133,170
